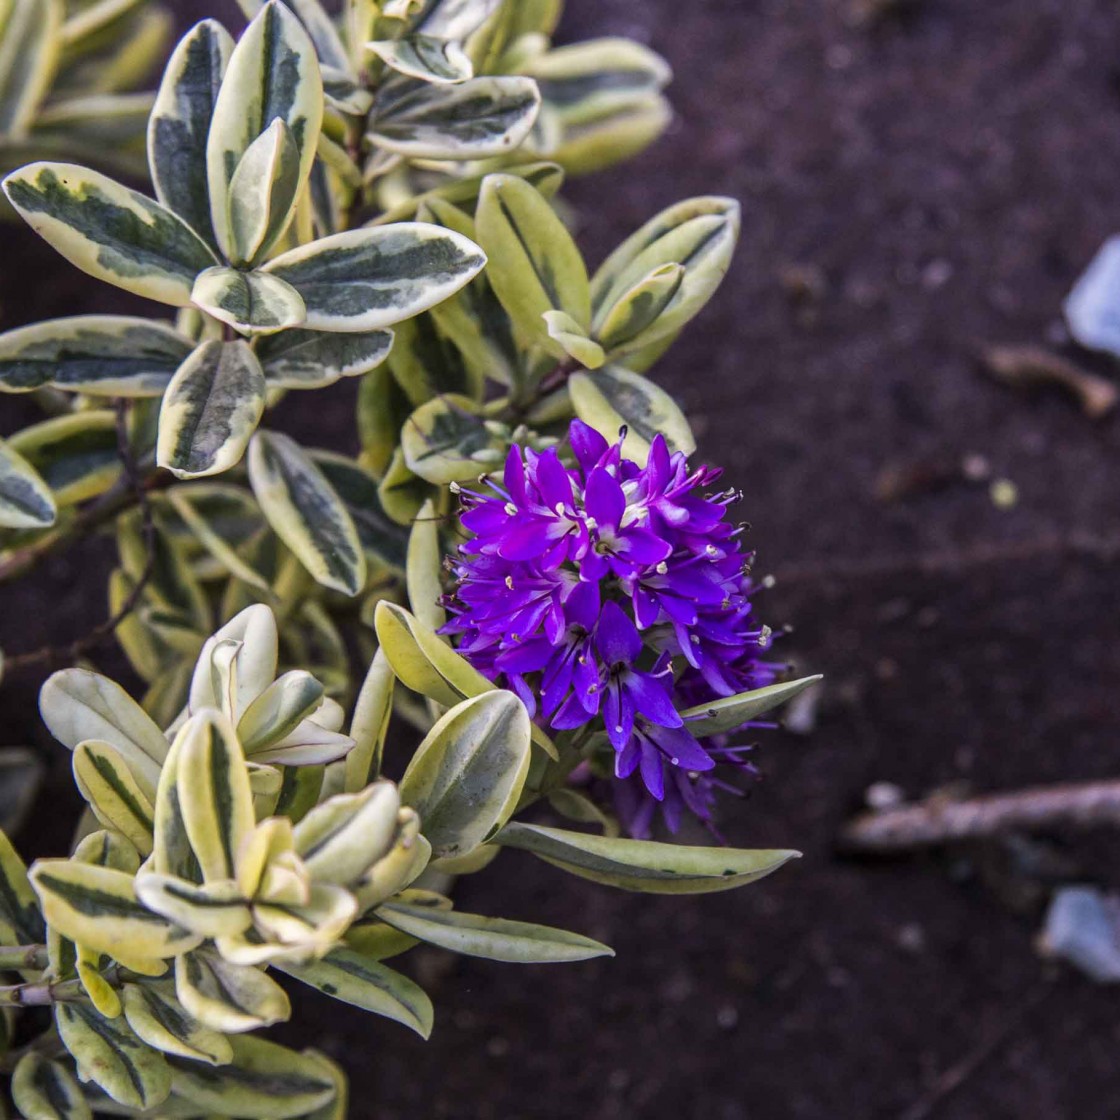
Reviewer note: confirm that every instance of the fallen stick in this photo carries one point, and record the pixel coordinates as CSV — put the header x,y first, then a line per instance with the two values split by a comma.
x,y
941,820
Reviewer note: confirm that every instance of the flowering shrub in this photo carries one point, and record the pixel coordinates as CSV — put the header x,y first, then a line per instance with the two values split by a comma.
x,y
370,197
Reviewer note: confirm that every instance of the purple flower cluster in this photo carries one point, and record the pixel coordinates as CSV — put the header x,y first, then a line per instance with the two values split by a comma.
x,y
614,592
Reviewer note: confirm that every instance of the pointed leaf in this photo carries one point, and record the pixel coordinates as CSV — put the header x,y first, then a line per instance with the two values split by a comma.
x,y
272,74
26,501
423,568
447,440
252,302
643,865
301,359
305,512
563,329
366,279
362,982
343,837
110,355
279,710
467,774
496,939
732,712
231,998
370,724
180,124
263,193
254,632
20,920
628,324
109,231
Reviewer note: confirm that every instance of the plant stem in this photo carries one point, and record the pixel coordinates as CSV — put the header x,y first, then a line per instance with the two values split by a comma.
x,y
42,995
938,821
23,957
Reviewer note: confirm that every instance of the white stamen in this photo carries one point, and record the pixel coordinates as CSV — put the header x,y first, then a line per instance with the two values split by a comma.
x,y
509,582
662,568
511,509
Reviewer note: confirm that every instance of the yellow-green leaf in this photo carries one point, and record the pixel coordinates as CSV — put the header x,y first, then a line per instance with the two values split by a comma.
x,y
76,455
113,793
226,997
46,1090
733,711
26,501
251,302
343,837
29,50
161,1021
302,359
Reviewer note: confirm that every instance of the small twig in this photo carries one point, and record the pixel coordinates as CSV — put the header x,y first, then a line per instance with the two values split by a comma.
x,y
939,820
24,957
958,1073
1024,367
50,656
42,995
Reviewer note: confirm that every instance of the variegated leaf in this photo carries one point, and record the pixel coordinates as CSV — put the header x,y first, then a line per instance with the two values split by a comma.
x,y
263,193
171,850
343,837
629,322
301,359
26,501
699,234
473,119
210,410
732,712
253,631
252,302
304,930
495,939
29,50
400,492
467,774
643,865
367,279
109,1054
230,998
614,397
454,19
431,59
46,1090
97,907
264,1079
161,1021
113,793
446,440
180,123
279,710
370,724
306,513
20,920
93,17
401,866
535,266
214,794
107,355
423,568
215,910
273,73
565,331
426,363
618,135
78,705
76,455
358,980
109,231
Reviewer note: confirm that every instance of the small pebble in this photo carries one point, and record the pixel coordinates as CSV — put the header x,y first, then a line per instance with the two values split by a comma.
x,y
1004,493
883,795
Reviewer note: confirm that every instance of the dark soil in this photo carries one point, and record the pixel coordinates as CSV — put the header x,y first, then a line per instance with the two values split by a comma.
x,y
940,180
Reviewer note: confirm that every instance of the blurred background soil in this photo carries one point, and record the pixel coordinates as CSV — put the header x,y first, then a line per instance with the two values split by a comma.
x,y
914,189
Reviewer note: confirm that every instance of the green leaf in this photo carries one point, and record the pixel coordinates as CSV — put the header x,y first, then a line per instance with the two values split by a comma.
x,y
614,397
29,50
473,119
426,57
467,774
453,19
446,440
20,921
563,329
113,793
109,231
227,997
370,724
367,279
107,355
428,665
383,539
46,1090
279,710
26,501
643,865
264,1079
426,363
628,323
206,531
306,513
251,302
161,1021
355,979
300,359
535,266
215,910
340,839
699,234
733,711
76,455
263,193
618,135
272,74
214,794
171,849
401,493
210,410
97,907
109,1054
495,939
180,124
423,568
78,705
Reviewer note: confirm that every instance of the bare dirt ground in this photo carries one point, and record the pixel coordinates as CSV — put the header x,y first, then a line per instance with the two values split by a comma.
x,y
938,181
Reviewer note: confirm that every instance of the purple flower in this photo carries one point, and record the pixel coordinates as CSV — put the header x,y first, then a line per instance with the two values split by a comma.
x,y
611,597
